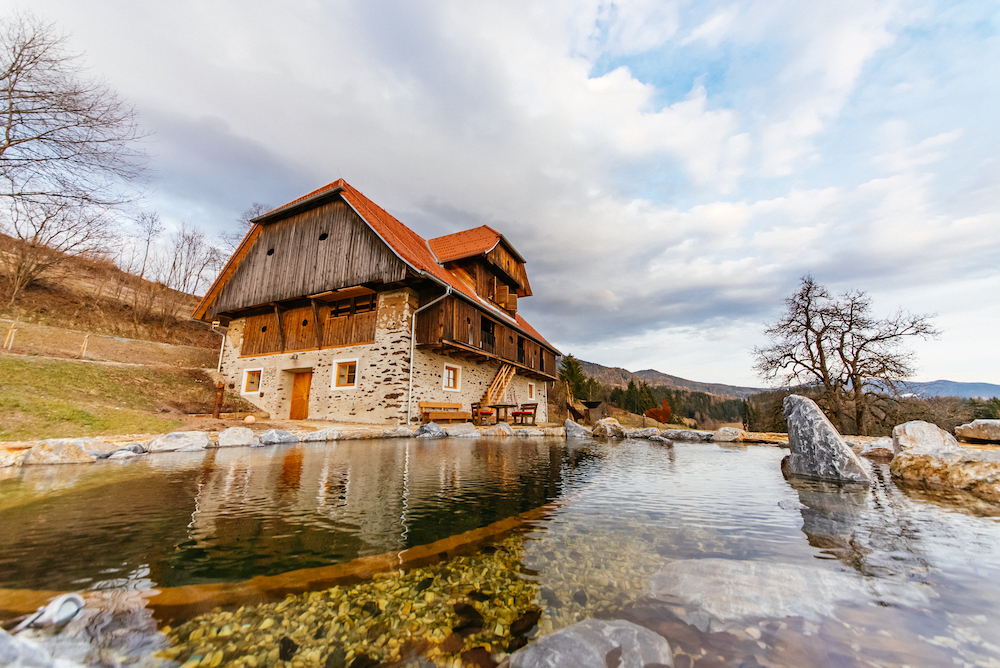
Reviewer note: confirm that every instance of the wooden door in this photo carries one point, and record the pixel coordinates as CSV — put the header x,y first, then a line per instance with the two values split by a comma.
x,y
300,396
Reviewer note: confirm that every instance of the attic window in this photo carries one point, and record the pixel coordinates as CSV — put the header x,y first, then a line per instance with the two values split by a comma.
x,y
270,251
323,236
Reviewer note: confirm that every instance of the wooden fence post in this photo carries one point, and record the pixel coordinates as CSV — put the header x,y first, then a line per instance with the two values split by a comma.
x,y
83,348
8,343
219,392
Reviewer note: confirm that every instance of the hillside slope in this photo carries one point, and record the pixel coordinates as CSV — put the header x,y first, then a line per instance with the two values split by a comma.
x,y
618,377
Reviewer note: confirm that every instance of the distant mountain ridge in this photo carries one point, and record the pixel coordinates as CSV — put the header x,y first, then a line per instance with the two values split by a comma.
x,y
951,388
618,377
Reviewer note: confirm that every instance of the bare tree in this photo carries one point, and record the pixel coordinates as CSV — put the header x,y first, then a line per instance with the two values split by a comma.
x,y
65,138
838,346
232,238
191,257
44,234
67,152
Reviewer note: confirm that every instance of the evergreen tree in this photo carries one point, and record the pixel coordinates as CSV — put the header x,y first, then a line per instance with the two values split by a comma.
x,y
571,373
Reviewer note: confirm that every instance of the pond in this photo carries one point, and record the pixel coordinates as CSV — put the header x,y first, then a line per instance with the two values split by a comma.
x,y
412,551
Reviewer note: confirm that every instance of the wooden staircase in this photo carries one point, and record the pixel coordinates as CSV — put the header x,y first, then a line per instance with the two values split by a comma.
x,y
496,390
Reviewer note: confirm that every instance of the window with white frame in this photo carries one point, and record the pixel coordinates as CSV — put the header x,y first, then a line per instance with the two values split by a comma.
x,y
345,374
531,391
452,378
251,381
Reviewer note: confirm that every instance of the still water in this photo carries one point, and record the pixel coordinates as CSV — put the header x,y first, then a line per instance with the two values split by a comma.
x,y
916,574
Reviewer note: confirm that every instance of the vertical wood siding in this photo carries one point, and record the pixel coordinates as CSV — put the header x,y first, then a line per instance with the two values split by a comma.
x,y
345,330
301,264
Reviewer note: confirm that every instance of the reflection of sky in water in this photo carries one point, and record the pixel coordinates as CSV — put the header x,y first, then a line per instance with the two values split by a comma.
x,y
929,572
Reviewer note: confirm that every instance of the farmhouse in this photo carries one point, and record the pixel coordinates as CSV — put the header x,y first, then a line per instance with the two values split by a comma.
x,y
337,311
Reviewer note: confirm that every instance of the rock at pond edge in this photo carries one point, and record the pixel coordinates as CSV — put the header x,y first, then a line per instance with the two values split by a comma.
x,y
818,451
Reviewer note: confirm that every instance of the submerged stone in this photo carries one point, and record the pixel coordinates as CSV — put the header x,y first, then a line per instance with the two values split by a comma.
x,y
588,644
717,594
529,433
819,452
980,430
23,653
574,430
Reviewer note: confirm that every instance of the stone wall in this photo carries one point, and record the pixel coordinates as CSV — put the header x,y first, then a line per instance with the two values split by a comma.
x,y
380,395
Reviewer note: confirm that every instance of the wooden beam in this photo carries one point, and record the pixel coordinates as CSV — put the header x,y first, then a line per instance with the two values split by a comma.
x,y
317,325
281,326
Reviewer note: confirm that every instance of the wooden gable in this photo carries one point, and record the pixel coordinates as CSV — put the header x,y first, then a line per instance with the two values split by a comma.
x,y
320,249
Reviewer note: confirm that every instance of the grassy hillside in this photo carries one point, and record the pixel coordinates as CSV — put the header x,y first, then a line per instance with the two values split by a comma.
x,y
49,398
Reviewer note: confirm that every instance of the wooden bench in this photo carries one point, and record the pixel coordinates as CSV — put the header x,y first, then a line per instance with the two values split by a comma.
x,y
432,411
522,414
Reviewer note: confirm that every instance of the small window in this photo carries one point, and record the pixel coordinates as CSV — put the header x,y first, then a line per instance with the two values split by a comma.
x,y
251,380
531,391
345,374
452,378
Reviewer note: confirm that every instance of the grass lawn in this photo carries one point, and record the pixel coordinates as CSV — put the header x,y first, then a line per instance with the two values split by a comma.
x,y
48,398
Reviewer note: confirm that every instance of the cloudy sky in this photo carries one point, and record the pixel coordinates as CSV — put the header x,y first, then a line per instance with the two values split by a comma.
x,y
668,169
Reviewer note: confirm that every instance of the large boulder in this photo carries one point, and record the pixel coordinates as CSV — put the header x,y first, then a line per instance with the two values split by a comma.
x,y
402,431
499,430
922,438
609,428
180,441
574,430
58,451
461,430
587,644
686,435
430,430
980,430
975,471
729,435
237,436
277,437
818,450
718,594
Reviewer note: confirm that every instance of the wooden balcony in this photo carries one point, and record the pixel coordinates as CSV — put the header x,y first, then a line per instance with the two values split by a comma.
x,y
456,328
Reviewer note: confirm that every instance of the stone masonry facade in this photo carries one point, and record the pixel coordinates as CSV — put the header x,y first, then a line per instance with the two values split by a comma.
x,y
380,394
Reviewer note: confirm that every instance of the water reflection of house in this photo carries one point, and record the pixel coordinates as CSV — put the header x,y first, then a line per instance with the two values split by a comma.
x,y
352,498
323,294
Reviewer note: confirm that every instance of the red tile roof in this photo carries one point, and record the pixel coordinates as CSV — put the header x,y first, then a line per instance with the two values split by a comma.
x,y
409,246
467,243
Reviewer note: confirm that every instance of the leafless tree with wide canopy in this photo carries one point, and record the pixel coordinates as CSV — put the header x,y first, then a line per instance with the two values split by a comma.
x,y
838,346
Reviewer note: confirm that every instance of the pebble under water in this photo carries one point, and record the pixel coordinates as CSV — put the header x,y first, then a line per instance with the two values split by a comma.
x,y
528,537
